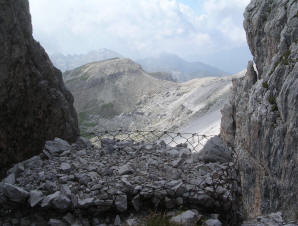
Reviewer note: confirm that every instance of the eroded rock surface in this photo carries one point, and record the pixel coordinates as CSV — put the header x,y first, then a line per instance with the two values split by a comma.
x,y
34,104
261,122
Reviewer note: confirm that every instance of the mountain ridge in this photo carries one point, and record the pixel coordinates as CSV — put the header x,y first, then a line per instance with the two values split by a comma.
x,y
118,93
71,61
180,69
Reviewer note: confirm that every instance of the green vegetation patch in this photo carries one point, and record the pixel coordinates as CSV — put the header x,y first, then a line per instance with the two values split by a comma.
x,y
82,116
285,58
84,77
271,100
107,110
265,85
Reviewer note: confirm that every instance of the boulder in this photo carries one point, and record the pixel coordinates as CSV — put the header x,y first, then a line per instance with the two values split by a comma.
x,y
121,203
215,151
65,167
212,222
15,193
57,146
35,197
187,218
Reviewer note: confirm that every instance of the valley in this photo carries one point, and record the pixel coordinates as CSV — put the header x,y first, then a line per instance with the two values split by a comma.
x,y
118,94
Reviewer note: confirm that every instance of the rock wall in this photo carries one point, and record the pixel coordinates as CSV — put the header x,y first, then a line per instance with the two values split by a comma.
x,y
34,104
260,122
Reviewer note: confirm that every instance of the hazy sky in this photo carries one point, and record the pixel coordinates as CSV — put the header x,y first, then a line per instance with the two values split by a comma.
x,y
210,31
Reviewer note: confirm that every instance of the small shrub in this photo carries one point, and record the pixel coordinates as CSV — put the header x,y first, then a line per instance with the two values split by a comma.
x,y
274,107
285,58
265,85
272,100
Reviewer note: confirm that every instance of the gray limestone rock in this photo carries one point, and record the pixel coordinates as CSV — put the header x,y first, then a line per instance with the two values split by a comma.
x,y
57,146
35,197
215,151
84,203
125,169
15,193
212,222
187,218
56,222
34,103
117,221
121,203
136,202
60,201
10,179
65,167
260,121
57,200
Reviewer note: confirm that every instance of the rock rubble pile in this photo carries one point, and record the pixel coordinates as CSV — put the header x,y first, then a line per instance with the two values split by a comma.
x,y
117,178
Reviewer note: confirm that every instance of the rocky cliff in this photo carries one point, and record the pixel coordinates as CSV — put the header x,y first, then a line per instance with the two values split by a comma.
x,y
34,104
261,122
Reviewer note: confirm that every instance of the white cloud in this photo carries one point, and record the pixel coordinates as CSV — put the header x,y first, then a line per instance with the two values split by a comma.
x,y
137,27
225,16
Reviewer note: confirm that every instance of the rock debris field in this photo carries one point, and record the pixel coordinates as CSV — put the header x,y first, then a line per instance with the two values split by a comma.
x,y
116,179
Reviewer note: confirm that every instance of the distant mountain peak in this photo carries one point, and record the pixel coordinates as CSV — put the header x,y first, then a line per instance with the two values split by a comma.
x,y
181,69
69,62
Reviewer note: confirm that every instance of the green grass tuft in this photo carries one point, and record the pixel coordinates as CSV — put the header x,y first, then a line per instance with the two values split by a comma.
x,y
265,85
274,107
272,100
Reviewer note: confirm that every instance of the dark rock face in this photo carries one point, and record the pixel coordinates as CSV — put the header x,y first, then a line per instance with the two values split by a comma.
x,y
261,122
34,104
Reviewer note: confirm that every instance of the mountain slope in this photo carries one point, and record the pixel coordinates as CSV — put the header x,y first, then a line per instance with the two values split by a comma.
x,y
69,62
118,93
180,69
